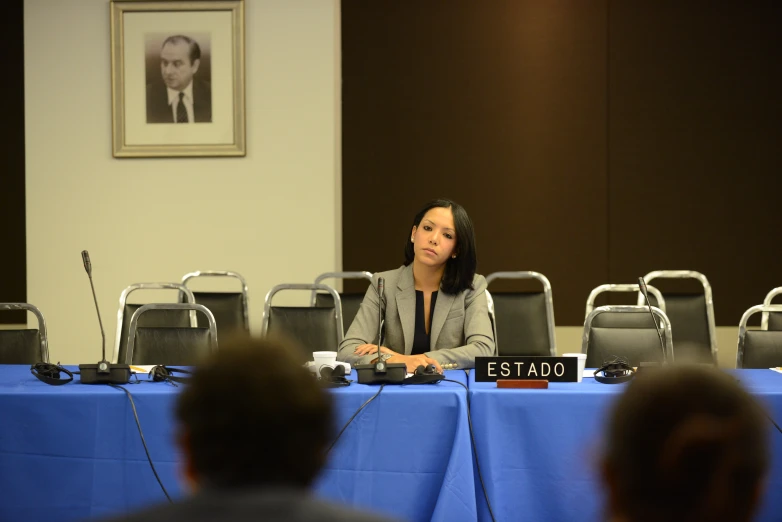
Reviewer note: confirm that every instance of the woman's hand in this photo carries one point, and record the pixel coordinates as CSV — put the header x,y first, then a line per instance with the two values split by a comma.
x,y
365,349
414,361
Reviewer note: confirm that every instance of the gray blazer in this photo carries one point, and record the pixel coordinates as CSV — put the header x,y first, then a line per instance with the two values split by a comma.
x,y
460,330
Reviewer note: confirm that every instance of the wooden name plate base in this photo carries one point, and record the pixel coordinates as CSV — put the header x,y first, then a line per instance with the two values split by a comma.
x,y
516,383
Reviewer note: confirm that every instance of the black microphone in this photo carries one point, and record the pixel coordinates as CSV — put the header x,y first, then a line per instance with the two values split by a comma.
x,y
103,372
85,257
642,288
380,364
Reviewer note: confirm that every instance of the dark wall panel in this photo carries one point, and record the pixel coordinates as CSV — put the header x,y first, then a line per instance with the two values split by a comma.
x,y
13,260
695,134
500,106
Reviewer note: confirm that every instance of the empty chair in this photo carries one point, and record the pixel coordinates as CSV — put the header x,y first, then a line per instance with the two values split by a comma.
x,y
314,328
637,345
691,315
170,345
26,345
229,308
759,348
623,320
771,321
351,301
160,317
524,320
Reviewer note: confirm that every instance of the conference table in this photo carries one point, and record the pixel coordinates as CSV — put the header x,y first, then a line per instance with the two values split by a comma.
x,y
539,450
73,452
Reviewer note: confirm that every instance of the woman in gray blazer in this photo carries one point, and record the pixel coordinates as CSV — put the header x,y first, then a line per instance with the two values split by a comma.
x,y
435,309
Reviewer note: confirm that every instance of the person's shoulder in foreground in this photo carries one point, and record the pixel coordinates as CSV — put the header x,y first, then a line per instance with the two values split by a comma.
x,y
269,505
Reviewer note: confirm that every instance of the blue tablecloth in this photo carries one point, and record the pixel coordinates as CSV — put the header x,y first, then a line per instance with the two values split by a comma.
x,y
538,449
73,452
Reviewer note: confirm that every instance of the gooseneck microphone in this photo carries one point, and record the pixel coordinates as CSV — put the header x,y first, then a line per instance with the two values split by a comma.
x,y
380,364
85,257
643,289
103,372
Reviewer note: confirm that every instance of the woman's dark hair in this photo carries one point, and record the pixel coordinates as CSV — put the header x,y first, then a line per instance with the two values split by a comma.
x,y
252,415
459,271
686,444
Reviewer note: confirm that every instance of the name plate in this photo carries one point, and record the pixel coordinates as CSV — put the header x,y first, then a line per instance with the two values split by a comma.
x,y
526,367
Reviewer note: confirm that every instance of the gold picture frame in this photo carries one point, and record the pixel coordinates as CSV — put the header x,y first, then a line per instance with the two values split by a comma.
x,y
175,62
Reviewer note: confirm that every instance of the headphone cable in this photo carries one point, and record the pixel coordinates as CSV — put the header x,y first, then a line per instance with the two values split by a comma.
x,y
353,417
143,441
474,447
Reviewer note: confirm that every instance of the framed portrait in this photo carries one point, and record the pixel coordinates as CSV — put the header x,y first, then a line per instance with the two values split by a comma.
x,y
177,78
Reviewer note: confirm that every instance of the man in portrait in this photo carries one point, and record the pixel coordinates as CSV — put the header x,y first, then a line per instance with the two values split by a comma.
x,y
182,97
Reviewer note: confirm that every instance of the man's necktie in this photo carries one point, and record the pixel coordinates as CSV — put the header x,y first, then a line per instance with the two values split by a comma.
x,y
181,111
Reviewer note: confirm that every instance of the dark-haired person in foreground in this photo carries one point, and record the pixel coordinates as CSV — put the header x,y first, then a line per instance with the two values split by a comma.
x,y
685,444
435,304
253,427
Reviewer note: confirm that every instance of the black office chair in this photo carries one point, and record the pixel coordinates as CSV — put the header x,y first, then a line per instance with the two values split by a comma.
x,y
158,318
622,320
771,321
172,345
637,345
313,328
691,315
524,320
26,345
230,309
351,301
759,348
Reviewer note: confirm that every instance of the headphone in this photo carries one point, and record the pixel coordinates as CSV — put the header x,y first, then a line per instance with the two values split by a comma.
x,y
333,377
165,374
615,371
425,375
50,373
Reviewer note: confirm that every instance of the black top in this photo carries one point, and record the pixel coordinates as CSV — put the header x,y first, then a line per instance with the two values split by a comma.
x,y
421,338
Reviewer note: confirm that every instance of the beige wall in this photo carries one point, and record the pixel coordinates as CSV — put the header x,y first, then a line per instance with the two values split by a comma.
x,y
272,216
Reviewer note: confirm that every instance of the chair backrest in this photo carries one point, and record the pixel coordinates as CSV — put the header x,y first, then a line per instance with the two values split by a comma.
x,y
691,315
771,321
351,302
525,319
156,318
27,345
635,344
314,328
170,345
659,301
759,348
230,309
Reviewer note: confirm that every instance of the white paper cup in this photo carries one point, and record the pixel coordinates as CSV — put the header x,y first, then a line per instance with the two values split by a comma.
x,y
582,359
324,359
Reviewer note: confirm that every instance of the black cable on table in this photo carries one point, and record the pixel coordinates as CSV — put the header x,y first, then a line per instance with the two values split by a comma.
x,y
474,447
353,417
143,441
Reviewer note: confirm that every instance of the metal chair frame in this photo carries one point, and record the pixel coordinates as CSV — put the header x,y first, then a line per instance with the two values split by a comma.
x,y
314,287
632,287
42,337
338,275
691,274
169,306
765,309
767,302
552,338
629,309
222,273
123,299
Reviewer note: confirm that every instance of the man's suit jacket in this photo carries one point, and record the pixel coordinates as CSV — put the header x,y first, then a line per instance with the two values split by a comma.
x,y
159,111
269,505
460,329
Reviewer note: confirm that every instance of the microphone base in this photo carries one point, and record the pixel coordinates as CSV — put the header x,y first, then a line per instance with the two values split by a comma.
x,y
117,374
395,374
